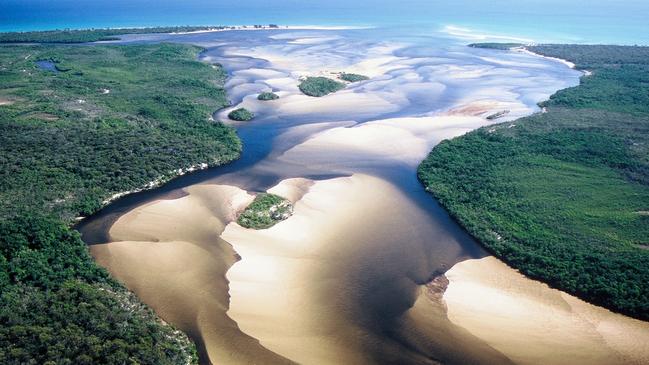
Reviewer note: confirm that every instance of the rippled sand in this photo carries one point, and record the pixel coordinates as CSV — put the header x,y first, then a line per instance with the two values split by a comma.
x,y
533,324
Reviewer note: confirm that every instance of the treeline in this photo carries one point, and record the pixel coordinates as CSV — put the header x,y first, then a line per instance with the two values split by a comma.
x,y
564,195
119,118
91,35
620,83
58,307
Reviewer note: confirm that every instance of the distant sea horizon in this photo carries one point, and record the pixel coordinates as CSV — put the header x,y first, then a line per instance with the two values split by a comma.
x,y
576,21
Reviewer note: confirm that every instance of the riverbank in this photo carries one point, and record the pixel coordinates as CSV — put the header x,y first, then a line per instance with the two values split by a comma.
x,y
526,318
556,194
68,147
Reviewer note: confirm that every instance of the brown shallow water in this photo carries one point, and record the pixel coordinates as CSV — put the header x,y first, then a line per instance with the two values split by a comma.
x,y
344,280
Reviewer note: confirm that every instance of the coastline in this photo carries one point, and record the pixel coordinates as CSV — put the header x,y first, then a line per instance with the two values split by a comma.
x,y
523,49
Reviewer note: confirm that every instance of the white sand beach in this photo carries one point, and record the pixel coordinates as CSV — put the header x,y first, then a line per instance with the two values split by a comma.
x,y
532,323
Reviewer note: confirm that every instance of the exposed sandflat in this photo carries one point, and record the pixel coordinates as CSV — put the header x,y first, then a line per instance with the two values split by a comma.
x,y
401,140
299,284
534,324
172,257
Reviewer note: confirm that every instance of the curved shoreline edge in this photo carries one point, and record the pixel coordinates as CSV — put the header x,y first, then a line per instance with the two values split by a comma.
x,y
476,232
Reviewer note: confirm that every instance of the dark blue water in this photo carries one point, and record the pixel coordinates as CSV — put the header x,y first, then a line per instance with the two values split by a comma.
x,y
581,21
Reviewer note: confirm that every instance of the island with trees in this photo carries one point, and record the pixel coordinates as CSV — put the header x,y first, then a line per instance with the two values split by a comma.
x,y
267,96
350,77
241,115
563,196
265,211
320,86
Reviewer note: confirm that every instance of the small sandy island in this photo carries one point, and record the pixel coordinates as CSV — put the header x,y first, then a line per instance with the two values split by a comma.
x,y
532,323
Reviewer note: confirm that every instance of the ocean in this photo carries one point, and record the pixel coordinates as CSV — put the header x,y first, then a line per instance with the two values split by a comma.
x,y
567,21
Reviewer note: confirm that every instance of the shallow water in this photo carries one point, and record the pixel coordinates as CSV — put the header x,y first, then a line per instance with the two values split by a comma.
x,y
394,237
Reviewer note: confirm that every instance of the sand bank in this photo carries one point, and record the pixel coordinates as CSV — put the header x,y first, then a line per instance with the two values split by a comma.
x,y
318,287
381,142
170,254
533,324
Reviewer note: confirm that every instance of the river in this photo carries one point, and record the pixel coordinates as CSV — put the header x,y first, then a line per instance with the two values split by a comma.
x,y
355,275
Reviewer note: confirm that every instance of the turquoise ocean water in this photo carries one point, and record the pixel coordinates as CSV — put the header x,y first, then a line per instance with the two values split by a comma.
x,y
578,21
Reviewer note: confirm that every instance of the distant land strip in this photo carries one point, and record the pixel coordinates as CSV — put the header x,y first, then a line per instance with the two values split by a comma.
x,y
108,34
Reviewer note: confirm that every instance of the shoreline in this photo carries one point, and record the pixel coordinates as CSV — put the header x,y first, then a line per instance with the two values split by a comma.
x,y
520,307
504,260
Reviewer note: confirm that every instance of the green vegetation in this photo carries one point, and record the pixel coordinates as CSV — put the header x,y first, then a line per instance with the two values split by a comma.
x,y
241,115
58,307
352,77
115,119
500,46
119,118
265,211
320,86
265,96
620,80
89,35
563,196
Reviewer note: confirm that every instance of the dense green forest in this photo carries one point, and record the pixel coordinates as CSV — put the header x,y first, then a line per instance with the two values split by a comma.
x,y
320,86
106,119
564,195
265,211
90,35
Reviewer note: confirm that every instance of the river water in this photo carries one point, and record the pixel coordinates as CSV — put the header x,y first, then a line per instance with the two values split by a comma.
x,y
338,281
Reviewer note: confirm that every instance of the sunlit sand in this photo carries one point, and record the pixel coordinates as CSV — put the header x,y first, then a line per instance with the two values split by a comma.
x,y
533,324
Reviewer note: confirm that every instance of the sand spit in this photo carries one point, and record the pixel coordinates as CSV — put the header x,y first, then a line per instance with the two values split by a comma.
x,y
533,324
317,287
170,254
396,140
